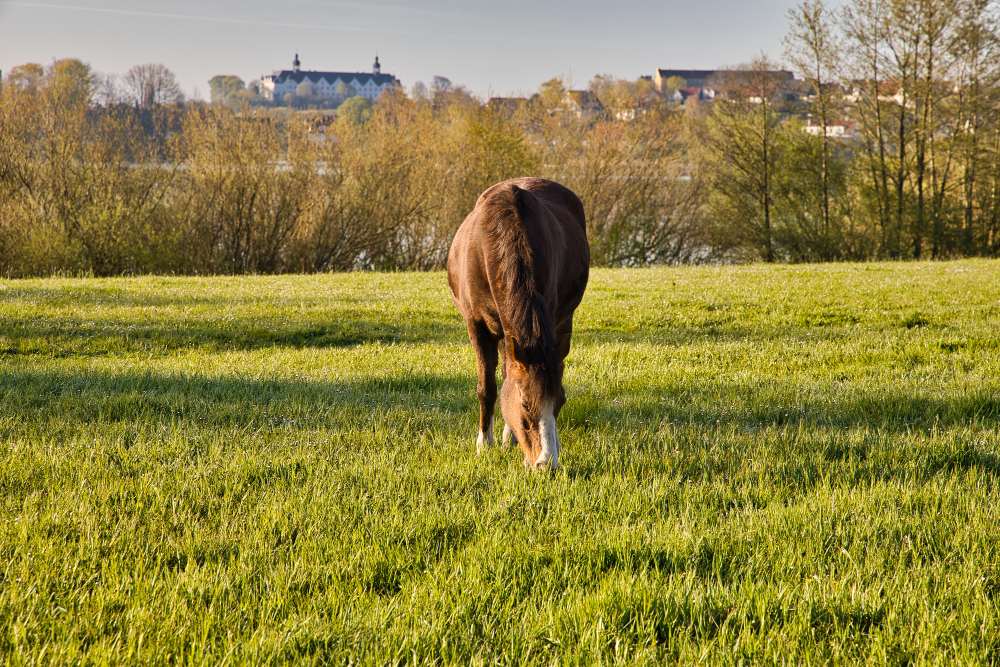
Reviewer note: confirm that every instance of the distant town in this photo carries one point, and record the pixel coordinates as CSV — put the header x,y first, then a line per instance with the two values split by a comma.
x,y
327,89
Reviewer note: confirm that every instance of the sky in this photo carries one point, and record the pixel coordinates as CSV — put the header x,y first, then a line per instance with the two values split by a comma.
x,y
490,47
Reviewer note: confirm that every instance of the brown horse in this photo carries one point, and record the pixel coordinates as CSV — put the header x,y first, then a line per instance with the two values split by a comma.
x,y
517,269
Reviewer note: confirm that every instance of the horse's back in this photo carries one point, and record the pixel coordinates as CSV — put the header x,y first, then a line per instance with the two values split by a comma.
x,y
554,226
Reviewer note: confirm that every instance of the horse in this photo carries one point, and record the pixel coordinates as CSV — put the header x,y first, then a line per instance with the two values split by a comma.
x,y
517,269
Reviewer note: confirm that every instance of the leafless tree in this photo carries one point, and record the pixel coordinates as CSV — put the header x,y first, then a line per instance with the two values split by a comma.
x,y
151,85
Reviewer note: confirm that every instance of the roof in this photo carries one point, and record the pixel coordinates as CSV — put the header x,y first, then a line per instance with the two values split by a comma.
x,y
685,73
314,76
703,74
585,98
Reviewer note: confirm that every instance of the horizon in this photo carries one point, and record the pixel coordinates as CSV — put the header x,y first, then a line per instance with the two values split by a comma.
x,y
463,42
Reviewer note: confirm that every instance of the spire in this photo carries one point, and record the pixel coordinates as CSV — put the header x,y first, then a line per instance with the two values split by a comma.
x,y
296,63
376,68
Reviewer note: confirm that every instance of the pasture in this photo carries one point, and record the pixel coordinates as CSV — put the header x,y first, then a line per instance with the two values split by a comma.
x,y
759,464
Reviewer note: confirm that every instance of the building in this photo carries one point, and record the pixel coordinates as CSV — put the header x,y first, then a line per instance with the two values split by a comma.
x,y
507,106
583,104
837,129
681,95
707,78
693,78
327,84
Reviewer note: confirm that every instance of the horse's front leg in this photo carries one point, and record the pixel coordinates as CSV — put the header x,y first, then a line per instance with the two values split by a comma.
x,y
485,346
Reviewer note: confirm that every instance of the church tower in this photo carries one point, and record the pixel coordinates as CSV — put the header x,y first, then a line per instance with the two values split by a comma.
x,y
296,63
376,68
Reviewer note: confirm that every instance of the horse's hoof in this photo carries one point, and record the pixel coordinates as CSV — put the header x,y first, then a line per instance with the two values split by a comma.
x,y
484,440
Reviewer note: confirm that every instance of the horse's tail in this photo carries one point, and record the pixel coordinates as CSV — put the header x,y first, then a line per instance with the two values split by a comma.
x,y
509,206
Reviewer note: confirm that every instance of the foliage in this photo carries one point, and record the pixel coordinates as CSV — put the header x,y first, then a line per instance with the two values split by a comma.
x,y
888,147
354,110
222,87
760,464
747,149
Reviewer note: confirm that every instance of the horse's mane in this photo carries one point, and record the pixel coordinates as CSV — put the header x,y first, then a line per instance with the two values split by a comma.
x,y
522,308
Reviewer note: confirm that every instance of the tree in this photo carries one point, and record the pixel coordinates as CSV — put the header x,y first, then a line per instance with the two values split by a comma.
x,y
370,205
419,91
304,89
440,84
745,149
924,26
864,25
552,93
222,86
89,186
675,82
152,85
344,91
355,110
108,91
975,48
242,209
623,99
72,81
26,76
812,48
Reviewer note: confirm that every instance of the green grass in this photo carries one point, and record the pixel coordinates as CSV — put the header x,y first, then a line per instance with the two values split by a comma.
x,y
760,464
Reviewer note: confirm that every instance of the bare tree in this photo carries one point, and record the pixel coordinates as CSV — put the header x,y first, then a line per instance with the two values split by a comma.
x,y
151,85
441,84
811,46
109,90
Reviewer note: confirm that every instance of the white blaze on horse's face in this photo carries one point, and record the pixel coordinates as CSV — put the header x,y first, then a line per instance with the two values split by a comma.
x,y
533,428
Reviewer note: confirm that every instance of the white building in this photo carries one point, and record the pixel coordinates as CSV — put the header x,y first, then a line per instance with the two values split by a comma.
x,y
326,84
837,129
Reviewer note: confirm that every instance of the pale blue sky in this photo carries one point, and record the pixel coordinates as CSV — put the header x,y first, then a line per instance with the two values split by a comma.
x,y
503,47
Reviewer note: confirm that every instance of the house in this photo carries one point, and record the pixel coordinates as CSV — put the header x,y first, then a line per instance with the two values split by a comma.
x,y
327,84
886,91
583,104
507,106
681,95
837,129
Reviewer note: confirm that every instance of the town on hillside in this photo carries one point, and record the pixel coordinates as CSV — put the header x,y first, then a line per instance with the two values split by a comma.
x,y
300,88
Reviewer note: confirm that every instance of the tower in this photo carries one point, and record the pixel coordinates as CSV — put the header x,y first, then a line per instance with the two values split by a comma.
x,y
376,68
296,63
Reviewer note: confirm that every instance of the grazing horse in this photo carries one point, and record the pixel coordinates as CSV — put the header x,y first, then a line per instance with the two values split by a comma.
x,y
517,270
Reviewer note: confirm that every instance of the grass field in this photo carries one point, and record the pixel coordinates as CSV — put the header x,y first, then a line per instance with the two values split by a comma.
x,y
759,464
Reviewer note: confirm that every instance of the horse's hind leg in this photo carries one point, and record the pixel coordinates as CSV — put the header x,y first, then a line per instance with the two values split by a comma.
x,y
485,345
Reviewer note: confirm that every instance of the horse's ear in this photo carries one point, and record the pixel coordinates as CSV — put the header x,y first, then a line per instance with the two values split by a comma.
x,y
517,352
562,345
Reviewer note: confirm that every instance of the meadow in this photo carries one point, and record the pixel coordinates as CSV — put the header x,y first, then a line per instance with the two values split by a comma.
x,y
760,464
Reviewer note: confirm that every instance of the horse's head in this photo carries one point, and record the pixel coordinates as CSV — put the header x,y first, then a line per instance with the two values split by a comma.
x,y
530,399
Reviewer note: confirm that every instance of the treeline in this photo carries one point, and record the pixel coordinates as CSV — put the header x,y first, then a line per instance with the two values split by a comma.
x,y
91,184
196,188
913,86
